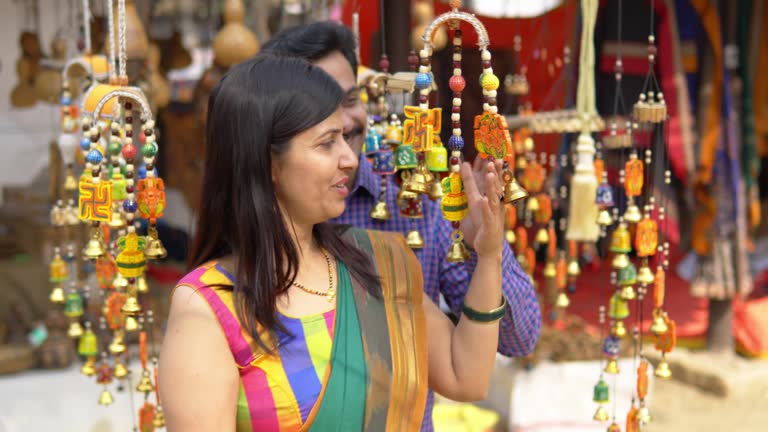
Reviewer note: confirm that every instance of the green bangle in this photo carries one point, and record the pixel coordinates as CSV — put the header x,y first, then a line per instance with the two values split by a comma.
x,y
485,317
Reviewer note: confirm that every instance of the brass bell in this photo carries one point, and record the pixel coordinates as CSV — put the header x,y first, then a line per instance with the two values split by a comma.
x,y
117,346
131,324
131,305
435,189
618,329
662,370
604,218
120,370
70,183
141,285
117,222
612,367
57,295
627,293
159,420
414,240
573,268
542,236
645,275
620,261
614,427
145,384
105,398
633,215
417,183
155,249
75,330
512,189
532,205
457,252
120,282
562,300
380,211
550,270
94,249
601,414
89,367
643,415
509,235
659,326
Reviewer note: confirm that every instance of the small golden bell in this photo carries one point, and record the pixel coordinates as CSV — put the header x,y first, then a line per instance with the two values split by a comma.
x,y
155,249
117,221
632,215
614,428
120,370
70,183
94,249
562,300
662,370
141,285
532,205
550,270
131,305
627,293
618,329
57,295
414,240
417,183
145,384
513,191
105,398
509,235
645,275
159,420
117,346
75,330
120,282
435,190
89,367
601,414
380,211
612,367
542,236
620,261
604,218
659,326
573,268
643,415
457,252
131,324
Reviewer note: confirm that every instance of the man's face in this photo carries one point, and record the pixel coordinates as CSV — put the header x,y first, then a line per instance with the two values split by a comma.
x,y
353,110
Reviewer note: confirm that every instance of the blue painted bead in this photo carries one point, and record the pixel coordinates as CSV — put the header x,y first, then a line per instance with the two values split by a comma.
x,y
130,206
85,144
455,142
94,157
65,100
423,81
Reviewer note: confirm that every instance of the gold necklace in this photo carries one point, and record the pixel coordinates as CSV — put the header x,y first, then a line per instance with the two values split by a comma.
x,y
331,293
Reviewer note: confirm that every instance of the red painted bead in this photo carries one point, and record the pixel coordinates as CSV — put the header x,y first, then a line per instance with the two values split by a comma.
x,y
457,94
129,151
454,160
129,120
456,125
492,101
129,189
129,133
457,49
457,83
128,105
456,64
142,137
456,225
456,109
486,64
422,99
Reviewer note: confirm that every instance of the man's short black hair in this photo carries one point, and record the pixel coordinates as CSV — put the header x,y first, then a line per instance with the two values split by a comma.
x,y
313,42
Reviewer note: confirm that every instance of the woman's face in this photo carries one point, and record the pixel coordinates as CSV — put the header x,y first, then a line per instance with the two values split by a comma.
x,y
311,177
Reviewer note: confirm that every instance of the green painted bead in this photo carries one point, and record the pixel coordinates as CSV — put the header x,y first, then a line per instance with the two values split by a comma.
x,y
149,150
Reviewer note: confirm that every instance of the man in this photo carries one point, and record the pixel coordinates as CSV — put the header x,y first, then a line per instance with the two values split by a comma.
x,y
331,47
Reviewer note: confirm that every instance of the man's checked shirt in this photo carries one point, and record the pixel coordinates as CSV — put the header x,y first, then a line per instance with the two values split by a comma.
x,y
519,329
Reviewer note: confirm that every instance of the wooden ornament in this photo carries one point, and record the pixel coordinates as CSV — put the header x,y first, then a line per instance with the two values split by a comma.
x,y
234,42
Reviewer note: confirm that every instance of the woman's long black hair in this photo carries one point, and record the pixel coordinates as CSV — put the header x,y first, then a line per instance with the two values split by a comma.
x,y
253,112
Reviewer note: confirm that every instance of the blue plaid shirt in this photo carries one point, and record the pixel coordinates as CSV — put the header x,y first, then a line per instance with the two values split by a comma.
x,y
519,329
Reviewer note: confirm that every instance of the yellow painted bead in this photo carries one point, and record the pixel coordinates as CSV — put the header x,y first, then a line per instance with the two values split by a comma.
x,y
490,82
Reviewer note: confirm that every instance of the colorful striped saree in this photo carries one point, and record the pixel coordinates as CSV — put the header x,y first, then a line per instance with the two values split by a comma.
x,y
376,377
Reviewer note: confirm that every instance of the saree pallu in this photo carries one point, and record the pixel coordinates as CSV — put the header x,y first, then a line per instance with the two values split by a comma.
x,y
376,379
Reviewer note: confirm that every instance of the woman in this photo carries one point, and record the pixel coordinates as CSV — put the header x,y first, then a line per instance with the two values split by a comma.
x,y
287,323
